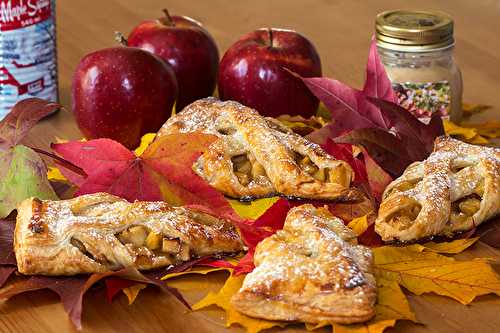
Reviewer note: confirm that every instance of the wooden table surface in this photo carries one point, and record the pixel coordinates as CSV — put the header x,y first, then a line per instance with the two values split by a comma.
x,y
341,31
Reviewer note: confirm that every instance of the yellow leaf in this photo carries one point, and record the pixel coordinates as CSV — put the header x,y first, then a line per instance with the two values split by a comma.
x,y
426,272
132,292
455,130
468,134
391,306
194,279
359,225
145,142
196,270
253,209
470,109
453,247
222,300
54,174
490,129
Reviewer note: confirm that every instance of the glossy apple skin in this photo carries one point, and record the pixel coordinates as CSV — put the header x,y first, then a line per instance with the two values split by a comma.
x,y
251,72
188,48
122,93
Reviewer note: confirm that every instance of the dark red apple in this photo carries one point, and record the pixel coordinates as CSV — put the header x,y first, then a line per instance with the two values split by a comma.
x,y
122,93
251,72
187,47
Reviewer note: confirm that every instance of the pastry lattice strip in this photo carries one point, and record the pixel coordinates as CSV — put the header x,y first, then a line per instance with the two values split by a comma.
x,y
100,232
454,190
258,157
311,271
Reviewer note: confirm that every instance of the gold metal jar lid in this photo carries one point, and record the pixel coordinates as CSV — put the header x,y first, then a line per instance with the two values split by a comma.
x,y
414,31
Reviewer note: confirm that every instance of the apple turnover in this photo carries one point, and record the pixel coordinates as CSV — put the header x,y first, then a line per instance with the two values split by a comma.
x,y
454,190
257,157
101,232
311,271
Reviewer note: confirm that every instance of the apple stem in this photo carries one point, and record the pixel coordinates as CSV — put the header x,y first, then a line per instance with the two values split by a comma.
x,y
120,38
167,20
270,32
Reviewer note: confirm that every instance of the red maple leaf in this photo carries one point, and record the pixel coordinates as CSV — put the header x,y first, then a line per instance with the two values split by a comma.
x,y
162,172
370,117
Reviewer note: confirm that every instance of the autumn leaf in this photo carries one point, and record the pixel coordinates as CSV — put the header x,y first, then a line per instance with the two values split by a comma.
x,y
378,179
368,175
489,129
195,270
72,288
370,117
22,171
467,134
426,272
22,175
469,109
406,125
391,305
223,298
385,148
252,209
359,225
146,141
453,247
133,291
23,116
162,172
473,133
8,263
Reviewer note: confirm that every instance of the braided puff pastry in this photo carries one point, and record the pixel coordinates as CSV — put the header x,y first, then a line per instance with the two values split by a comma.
x,y
454,190
311,271
100,232
258,157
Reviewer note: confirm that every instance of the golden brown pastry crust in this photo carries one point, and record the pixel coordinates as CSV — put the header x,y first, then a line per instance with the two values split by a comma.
x,y
455,189
286,163
311,271
101,232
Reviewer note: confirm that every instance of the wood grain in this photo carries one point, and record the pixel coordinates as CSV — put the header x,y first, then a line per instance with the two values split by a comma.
x,y
341,30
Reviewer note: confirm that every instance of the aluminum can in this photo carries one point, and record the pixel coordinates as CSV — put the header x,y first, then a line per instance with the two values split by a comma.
x,y
28,58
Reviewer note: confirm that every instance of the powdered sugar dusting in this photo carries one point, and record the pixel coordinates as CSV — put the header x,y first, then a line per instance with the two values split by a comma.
x,y
313,259
454,171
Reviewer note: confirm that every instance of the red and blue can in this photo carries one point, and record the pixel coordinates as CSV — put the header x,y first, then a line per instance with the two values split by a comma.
x,y
28,59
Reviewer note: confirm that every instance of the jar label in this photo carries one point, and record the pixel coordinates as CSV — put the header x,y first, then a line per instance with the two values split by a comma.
x,y
424,99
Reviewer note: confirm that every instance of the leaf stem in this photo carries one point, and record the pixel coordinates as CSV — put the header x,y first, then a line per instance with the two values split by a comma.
x,y
61,161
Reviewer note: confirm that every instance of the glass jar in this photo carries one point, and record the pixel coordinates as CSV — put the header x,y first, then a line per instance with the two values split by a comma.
x,y
416,49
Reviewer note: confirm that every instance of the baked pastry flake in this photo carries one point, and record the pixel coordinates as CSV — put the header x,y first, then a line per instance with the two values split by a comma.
x,y
101,232
257,157
454,190
311,271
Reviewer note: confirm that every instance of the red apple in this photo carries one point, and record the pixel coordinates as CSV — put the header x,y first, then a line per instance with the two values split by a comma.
x,y
187,47
122,93
251,72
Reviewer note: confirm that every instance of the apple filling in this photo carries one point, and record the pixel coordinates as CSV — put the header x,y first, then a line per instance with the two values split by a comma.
x,y
466,207
339,174
404,217
246,168
141,238
80,246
